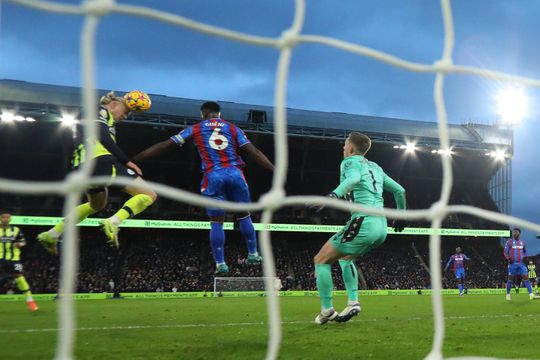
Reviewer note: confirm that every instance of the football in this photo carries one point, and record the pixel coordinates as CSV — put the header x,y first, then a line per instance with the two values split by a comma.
x,y
137,100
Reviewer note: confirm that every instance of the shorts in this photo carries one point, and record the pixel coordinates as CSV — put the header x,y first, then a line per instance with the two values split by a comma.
x,y
11,267
517,269
460,273
360,235
225,184
108,165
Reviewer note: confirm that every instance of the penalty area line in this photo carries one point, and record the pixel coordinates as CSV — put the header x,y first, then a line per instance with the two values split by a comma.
x,y
258,323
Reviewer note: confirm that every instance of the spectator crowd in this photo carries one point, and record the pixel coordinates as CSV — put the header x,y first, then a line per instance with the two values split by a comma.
x,y
173,260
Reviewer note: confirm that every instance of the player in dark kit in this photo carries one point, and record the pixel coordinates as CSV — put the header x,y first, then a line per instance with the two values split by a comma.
x,y
533,278
111,162
11,242
220,145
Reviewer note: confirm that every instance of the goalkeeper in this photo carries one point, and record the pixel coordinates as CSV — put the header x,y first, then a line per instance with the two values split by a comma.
x,y
110,161
362,182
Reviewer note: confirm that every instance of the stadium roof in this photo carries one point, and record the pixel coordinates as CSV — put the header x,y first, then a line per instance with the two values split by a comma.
x,y
170,111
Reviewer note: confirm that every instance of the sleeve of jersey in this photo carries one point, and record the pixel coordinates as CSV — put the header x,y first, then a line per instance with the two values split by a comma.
x,y
392,186
449,261
183,136
506,250
241,137
106,140
352,177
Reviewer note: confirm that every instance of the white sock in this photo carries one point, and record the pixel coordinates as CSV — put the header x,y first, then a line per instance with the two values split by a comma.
x,y
327,312
29,298
115,220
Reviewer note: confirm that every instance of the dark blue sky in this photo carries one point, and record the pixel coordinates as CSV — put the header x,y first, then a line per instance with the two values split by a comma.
x,y
163,59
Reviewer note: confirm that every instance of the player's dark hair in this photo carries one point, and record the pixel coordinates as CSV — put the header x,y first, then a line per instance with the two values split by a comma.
x,y
210,107
360,142
4,211
518,229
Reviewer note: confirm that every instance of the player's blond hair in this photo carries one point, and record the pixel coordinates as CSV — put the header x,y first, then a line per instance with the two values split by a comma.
x,y
360,142
110,96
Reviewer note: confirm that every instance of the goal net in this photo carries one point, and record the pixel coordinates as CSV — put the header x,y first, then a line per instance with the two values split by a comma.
x,y
75,184
241,284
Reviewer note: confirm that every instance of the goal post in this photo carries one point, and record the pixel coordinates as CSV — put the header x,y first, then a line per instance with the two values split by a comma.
x,y
243,284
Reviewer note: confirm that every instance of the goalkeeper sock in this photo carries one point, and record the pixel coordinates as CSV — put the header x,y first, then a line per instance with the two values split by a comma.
x,y
325,285
81,212
24,287
508,286
350,278
248,233
527,284
536,287
217,242
135,205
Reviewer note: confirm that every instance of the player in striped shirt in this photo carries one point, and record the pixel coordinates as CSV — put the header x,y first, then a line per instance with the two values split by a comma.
x,y
515,252
531,268
220,145
458,261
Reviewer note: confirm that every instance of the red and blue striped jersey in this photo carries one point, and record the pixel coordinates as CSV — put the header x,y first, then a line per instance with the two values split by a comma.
x,y
515,251
459,261
217,141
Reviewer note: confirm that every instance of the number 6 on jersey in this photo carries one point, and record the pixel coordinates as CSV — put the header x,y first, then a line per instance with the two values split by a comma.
x,y
218,141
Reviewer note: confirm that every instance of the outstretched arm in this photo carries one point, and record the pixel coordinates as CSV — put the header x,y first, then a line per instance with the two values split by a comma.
x,y
155,150
249,151
397,190
105,139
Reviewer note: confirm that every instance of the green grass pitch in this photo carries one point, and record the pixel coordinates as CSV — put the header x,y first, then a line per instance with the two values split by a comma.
x,y
236,328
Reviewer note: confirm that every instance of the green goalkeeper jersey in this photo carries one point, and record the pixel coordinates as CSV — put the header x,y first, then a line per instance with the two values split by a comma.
x,y
363,182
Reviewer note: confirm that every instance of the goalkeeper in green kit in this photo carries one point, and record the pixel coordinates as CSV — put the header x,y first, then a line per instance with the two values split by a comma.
x,y
361,182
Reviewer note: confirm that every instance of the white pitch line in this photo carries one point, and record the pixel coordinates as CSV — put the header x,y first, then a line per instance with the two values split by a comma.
x,y
181,326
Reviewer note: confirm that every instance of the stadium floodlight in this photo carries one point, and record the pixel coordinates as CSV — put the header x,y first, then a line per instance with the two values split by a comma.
x,y
499,155
68,120
446,152
30,119
511,105
7,117
410,148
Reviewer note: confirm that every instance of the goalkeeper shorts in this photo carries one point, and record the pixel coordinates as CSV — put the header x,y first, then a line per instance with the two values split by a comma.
x,y
360,235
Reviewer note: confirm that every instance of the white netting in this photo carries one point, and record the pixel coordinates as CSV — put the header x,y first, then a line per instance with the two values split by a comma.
x,y
75,184
222,284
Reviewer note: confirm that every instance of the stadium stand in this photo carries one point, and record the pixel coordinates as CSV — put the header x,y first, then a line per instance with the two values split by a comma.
x,y
163,260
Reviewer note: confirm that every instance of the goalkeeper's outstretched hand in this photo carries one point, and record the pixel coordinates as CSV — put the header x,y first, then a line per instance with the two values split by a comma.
x,y
318,207
398,225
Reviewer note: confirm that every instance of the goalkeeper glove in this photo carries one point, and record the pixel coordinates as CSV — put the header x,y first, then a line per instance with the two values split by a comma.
x,y
398,225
